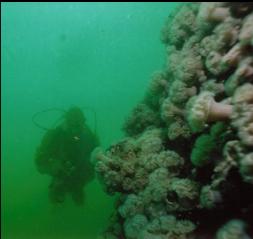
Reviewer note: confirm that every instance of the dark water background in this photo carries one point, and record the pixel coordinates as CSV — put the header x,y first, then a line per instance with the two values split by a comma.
x,y
98,55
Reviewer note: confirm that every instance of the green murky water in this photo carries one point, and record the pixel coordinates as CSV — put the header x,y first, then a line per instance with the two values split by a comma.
x,y
97,55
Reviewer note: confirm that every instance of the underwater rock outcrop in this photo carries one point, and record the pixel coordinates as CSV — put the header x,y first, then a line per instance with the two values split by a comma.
x,y
185,167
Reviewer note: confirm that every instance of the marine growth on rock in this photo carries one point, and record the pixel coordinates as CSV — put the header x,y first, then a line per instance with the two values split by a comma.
x,y
185,166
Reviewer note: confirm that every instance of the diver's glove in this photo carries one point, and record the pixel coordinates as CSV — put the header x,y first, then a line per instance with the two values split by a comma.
x,y
69,168
56,167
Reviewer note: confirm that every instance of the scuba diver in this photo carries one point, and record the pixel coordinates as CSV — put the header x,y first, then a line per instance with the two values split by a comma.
x,y
64,154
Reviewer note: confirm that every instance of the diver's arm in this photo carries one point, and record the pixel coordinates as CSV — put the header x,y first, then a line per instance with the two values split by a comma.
x,y
89,142
91,138
96,141
45,154
42,161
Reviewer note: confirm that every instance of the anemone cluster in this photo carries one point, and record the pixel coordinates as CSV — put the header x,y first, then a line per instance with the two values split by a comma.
x,y
185,167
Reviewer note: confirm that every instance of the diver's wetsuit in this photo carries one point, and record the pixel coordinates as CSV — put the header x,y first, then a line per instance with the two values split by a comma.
x,y
65,156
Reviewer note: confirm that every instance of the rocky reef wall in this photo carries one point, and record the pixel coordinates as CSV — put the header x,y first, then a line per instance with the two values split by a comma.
x,y
185,167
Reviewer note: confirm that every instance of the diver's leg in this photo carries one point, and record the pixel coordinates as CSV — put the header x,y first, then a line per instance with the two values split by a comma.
x,y
57,190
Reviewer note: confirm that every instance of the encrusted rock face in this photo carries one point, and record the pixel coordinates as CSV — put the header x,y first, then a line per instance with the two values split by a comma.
x,y
185,168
